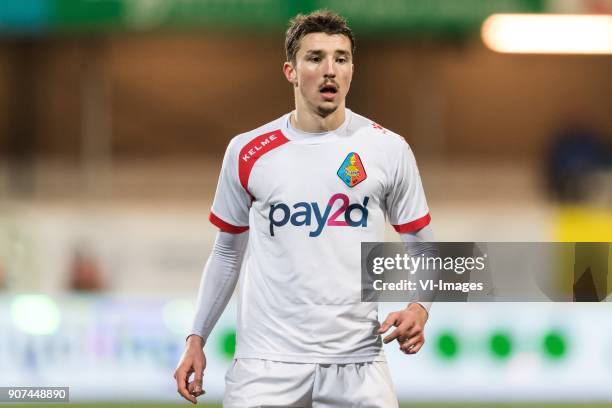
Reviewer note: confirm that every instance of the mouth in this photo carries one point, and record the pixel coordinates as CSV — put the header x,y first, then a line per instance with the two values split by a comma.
x,y
329,91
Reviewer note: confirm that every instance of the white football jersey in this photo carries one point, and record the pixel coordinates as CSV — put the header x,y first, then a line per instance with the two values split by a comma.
x,y
309,200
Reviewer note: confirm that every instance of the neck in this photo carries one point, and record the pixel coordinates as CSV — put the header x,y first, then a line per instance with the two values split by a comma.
x,y
312,122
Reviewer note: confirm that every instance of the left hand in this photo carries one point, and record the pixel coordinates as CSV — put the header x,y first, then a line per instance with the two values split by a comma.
x,y
409,332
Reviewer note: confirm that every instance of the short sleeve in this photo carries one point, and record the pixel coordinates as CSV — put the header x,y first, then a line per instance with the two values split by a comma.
x,y
405,201
230,209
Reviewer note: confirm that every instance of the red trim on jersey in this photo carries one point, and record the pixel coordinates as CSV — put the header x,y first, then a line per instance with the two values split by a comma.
x,y
252,151
224,226
415,225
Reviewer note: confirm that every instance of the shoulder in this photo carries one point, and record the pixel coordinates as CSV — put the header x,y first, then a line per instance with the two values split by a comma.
x,y
376,133
270,133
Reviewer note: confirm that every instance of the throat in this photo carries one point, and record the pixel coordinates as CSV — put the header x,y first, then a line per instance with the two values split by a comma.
x,y
323,120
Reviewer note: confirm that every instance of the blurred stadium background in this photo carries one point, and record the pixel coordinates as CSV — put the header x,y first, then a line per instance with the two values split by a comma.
x,y
114,115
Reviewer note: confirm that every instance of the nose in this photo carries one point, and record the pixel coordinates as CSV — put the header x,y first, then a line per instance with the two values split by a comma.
x,y
329,68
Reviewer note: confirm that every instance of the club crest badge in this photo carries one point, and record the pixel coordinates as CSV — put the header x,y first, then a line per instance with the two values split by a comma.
x,y
351,170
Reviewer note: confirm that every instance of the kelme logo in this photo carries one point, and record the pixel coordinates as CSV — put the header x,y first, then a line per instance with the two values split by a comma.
x,y
351,170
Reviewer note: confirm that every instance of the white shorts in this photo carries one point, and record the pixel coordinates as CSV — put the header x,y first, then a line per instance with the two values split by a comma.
x,y
264,383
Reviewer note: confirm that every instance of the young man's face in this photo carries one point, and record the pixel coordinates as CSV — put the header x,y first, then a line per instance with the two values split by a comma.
x,y
322,71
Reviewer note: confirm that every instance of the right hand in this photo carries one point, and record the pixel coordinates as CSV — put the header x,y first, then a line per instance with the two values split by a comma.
x,y
192,361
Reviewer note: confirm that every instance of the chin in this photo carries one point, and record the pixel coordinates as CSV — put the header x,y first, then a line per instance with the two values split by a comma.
x,y
327,109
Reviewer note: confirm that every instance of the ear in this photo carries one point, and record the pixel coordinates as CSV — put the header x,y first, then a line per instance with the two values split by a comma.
x,y
290,73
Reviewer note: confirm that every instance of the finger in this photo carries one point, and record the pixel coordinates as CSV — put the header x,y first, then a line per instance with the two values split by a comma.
x,y
401,333
417,347
389,321
413,347
192,389
199,373
403,337
181,384
409,331
407,345
395,334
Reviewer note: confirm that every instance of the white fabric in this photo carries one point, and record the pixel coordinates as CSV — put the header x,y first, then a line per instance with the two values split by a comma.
x,y
218,280
265,383
223,268
424,235
300,292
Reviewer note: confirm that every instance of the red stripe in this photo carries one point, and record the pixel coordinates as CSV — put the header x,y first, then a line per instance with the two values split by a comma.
x,y
253,151
415,225
224,226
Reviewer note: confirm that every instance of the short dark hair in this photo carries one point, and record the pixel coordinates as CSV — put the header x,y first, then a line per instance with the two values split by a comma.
x,y
320,21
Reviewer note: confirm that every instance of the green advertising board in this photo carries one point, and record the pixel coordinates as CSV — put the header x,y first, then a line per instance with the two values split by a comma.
x,y
366,16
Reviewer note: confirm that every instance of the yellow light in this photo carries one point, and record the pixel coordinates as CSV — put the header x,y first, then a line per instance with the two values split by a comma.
x,y
548,33
583,224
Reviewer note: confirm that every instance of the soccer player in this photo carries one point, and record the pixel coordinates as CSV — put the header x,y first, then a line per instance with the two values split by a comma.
x,y
303,192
